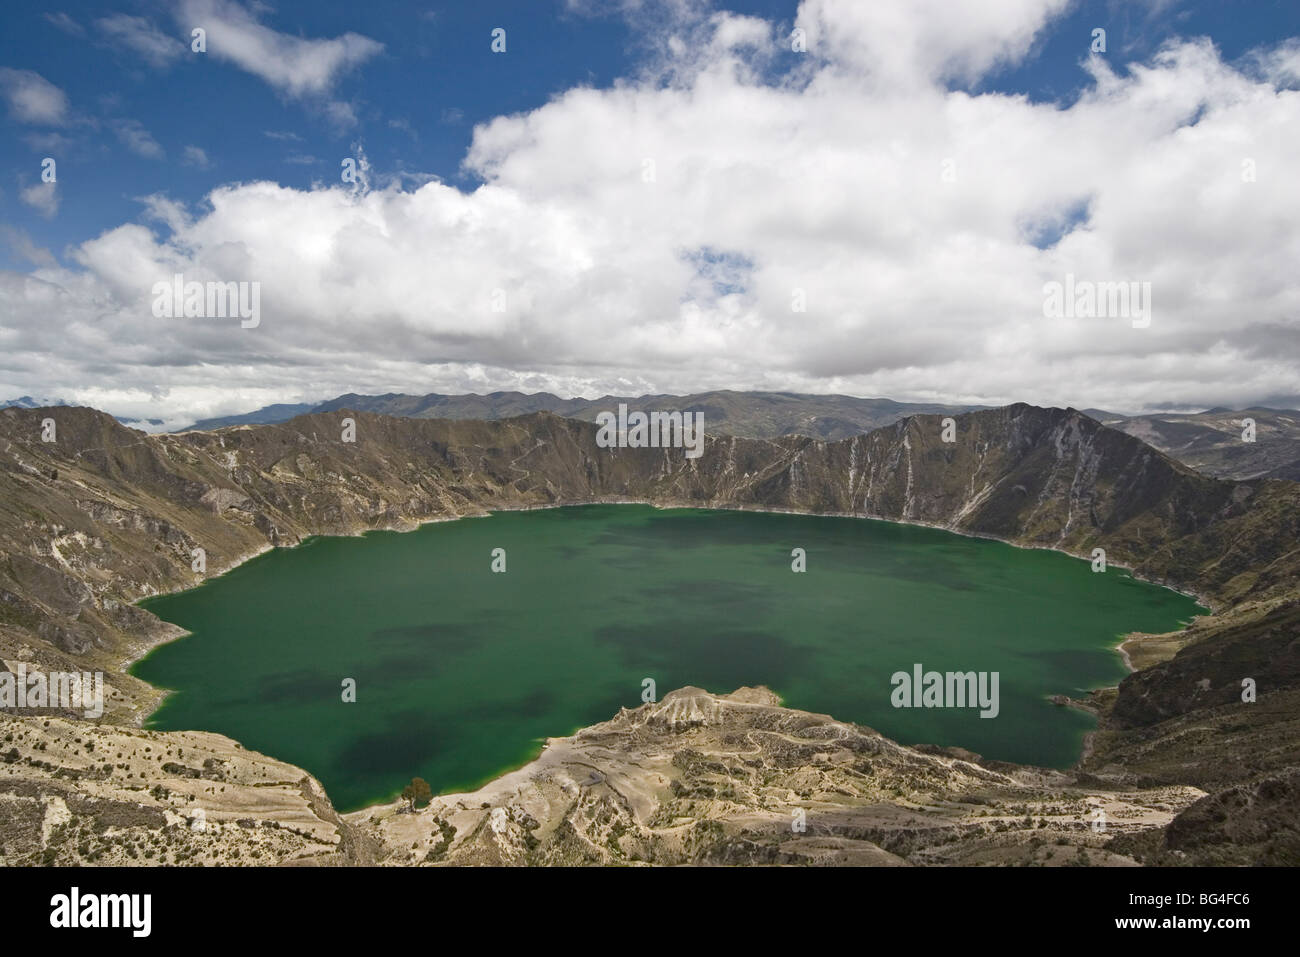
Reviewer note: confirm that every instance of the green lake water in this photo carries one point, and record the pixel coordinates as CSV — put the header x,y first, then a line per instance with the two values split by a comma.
x,y
460,671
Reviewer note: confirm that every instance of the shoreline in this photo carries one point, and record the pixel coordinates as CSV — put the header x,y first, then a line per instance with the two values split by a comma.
x,y
1124,655
409,526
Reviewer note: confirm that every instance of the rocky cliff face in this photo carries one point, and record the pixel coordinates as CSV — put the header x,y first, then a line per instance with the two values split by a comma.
x,y
104,515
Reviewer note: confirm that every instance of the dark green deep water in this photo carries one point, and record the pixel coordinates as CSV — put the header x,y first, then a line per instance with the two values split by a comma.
x,y
461,671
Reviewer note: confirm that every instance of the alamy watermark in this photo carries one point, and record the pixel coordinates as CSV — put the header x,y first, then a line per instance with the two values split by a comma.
x,y
69,690
1085,299
75,909
656,430
953,689
178,299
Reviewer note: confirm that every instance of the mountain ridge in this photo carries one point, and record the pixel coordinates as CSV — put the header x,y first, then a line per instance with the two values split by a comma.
x,y
106,515
749,414
1208,441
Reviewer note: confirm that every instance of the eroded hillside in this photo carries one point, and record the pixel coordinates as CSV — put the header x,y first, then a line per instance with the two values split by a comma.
x,y
104,515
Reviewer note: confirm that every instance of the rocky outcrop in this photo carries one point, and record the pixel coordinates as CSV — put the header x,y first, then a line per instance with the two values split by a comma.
x,y
698,778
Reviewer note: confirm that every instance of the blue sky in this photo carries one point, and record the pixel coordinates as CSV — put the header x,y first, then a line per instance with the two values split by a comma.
x,y
436,78
143,132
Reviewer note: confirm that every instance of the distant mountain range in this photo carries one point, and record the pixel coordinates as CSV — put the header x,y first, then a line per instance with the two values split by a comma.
x,y
27,402
267,415
1208,441
754,415
1211,442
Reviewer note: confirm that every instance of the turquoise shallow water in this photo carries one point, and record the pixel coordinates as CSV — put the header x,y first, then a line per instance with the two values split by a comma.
x,y
460,671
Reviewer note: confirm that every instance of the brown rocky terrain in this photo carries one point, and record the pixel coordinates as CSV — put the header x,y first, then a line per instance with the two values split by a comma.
x,y
718,779
72,792
105,515
1211,442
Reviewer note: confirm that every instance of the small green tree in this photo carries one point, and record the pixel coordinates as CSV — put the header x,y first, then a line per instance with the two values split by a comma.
x,y
417,793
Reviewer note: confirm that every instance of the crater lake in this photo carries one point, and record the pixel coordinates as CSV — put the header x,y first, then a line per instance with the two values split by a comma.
x,y
461,671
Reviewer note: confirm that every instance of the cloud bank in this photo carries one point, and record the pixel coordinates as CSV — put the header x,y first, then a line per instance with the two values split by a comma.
x,y
739,215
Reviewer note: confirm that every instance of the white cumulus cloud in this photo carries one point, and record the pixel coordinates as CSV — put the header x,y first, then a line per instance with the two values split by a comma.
x,y
742,216
296,66
42,197
32,98
141,37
